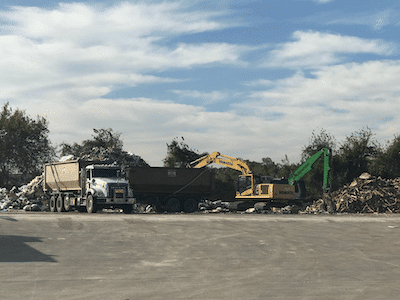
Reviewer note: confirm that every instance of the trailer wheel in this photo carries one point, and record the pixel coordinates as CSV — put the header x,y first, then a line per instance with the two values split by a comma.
x,y
190,205
52,204
60,204
66,203
173,205
91,206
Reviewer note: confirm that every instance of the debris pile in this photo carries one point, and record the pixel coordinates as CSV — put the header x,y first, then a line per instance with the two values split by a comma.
x,y
207,206
123,158
142,208
218,206
324,205
28,197
368,194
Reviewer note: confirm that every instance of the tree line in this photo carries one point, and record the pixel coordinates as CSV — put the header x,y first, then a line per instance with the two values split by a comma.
x,y
358,153
25,147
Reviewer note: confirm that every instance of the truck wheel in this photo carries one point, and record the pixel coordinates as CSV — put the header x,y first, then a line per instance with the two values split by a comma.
x,y
52,204
127,209
91,206
173,205
60,204
190,205
66,203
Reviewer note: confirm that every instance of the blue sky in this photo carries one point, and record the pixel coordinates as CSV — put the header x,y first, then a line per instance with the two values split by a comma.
x,y
250,79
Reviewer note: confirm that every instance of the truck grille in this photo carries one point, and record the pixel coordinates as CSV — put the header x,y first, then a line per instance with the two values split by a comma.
x,y
118,189
119,193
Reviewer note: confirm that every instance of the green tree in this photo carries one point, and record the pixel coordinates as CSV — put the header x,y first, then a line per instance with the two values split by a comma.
x,y
104,145
179,154
317,142
102,139
355,156
24,146
387,163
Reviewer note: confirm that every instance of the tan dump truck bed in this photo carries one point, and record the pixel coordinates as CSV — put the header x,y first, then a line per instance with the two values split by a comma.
x,y
64,175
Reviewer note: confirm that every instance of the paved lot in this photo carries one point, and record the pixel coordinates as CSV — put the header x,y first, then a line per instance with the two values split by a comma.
x,y
116,256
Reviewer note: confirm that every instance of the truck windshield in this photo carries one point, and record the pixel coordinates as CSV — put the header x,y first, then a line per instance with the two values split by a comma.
x,y
105,173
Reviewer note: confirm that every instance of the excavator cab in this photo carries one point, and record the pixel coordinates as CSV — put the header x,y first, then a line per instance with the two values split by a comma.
x,y
243,183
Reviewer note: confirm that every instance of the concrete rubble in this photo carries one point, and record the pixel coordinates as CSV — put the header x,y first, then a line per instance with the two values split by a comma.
x,y
29,197
208,206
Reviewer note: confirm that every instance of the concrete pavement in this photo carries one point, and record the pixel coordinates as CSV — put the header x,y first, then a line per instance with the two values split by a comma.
x,y
200,256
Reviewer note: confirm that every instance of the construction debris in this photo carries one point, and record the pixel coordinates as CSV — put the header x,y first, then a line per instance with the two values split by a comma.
x,y
366,194
28,197
208,206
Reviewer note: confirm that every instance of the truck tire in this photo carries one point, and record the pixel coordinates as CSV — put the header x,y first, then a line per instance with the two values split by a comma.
x,y
91,206
60,204
66,203
173,205
190,205
52,204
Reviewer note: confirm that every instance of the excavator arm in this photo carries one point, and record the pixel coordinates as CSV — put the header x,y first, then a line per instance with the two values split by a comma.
x,y
308,165
223,160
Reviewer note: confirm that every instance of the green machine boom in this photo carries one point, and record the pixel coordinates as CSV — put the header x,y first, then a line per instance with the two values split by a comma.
x,y
308,165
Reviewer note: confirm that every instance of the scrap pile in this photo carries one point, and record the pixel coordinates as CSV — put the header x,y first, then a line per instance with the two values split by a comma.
x,y
27,197
208,206
368,194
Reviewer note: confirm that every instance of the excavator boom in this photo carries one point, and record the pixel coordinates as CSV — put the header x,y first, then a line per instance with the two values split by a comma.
x,y
308,165
223,160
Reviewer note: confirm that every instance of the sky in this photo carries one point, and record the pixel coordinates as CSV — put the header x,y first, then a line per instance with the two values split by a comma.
x,y
250,79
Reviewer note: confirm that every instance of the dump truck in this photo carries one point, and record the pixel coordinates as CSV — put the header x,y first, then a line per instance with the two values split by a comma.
x,y
171,189
86,185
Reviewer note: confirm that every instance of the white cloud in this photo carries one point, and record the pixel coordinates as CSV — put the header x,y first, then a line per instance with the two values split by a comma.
x,y
59,63
211,97
259,82
341,99
315,49
376,20
148,124
103,25
82,50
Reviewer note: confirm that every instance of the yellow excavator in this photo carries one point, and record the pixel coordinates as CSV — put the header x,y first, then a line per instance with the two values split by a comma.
x,y
250,187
